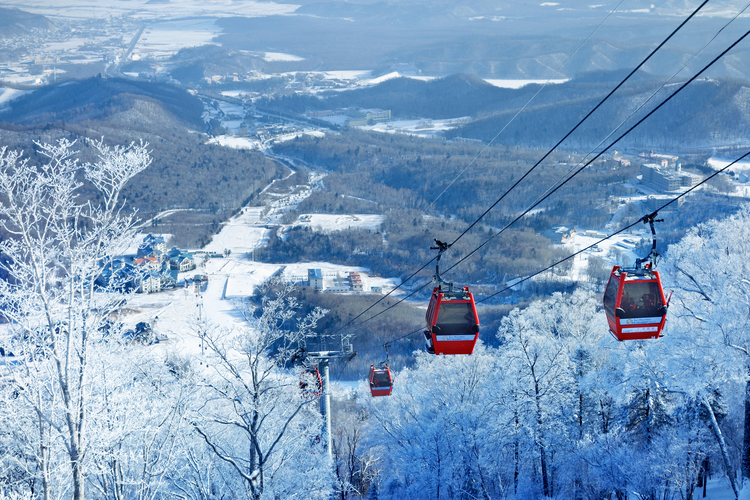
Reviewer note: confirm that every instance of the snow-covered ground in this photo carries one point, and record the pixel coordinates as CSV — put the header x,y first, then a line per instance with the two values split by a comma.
x,y
235,276
719,163
162,39
517,84
280,56
617,250
138,9
231,141
328,223
423,127
7,95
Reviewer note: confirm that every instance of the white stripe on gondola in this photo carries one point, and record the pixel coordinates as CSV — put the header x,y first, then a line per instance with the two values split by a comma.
x,y
644,329
640,321
454,338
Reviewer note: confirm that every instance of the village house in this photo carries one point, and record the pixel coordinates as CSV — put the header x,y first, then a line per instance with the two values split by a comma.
x,y
355,281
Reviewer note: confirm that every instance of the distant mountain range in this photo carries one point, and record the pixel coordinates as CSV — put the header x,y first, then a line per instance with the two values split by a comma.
x,y
707,113
15,22
102,99
518,39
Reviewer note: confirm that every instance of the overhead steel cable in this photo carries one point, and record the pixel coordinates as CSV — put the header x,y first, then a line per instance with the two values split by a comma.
x,y
639,221
650,97
657,108
580,122
573,255
525,105
568,179
651,54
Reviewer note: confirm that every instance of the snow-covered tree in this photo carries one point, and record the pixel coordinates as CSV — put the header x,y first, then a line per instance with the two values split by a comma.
x,y
56,246
250,411
708,318
439,433
548,349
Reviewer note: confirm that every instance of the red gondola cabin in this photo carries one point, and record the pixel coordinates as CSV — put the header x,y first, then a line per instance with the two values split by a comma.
x,y
310,383
452,322
381,381
634,304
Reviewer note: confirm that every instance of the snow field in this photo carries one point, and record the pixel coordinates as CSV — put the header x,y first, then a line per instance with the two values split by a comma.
x,y
329,223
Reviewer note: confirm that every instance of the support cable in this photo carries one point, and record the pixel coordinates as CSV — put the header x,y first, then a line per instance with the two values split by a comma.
x,y
639,221
528,172
651,54
561,185
650,97
524,106
571,256
658,107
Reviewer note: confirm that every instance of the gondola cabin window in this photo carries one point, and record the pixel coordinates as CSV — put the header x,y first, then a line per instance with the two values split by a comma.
x,y
455,319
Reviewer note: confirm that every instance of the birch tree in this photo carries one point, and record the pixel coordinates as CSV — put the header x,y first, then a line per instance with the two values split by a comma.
x,y
56,245
252,414
710,350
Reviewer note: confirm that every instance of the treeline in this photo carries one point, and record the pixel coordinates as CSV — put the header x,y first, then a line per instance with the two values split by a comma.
x,y
99,98
187,174
458,95
397,171
400,328
402,245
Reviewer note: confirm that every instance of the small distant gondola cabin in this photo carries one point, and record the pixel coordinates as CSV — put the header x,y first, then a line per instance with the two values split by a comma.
x,y
381,381
452,321
634,304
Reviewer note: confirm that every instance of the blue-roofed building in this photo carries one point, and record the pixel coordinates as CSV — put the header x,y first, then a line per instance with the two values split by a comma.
x,y
315,279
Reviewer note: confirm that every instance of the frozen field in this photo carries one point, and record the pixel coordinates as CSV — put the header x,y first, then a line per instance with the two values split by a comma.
x,y
329,223
423,127
140,9
162,39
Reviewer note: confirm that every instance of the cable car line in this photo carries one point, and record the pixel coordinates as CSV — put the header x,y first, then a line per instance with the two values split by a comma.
x,y
540,200
582,120
659,106
650,97
524,106
649,218
528,172
573,255
616,232
562,184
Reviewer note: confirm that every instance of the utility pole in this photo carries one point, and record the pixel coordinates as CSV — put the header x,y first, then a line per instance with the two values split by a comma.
x,y
323,358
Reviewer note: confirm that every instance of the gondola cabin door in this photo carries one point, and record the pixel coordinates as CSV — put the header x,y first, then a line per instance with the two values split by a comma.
x,y
634,304
452,321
